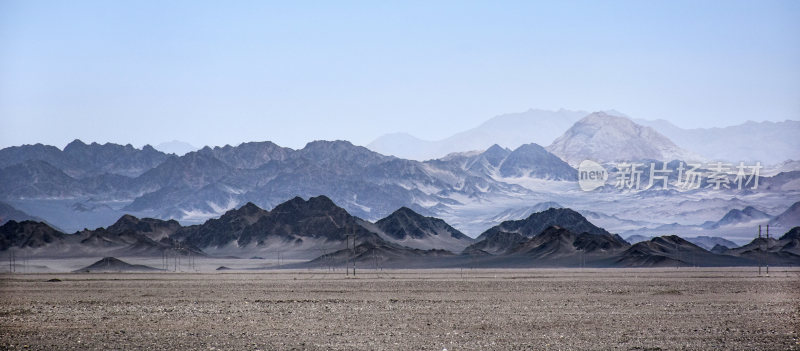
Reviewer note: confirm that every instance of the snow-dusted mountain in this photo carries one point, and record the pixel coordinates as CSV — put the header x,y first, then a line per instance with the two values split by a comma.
x,y
523,212
206,183
606,138
767,142
508,130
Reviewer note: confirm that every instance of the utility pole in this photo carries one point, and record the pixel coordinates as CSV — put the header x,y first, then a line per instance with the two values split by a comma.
x,y
767,258
352,256
759,254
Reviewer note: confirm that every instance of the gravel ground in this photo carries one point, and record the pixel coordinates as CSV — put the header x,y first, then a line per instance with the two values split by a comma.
x,y
644,309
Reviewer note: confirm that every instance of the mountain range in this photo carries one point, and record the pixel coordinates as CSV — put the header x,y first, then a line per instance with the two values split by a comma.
x,y
92,185
317,232
207,182
80,160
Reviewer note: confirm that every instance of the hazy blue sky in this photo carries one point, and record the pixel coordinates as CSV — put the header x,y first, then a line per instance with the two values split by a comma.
x,y
225,72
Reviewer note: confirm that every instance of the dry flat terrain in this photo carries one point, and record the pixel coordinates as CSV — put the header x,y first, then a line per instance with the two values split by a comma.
x,y
635,309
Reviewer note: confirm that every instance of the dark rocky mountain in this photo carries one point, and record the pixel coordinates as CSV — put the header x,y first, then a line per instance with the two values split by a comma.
x,y
297,227
495,243
538,222
297,220
221,231
154,229
671,251
378,255
130,236
792,234
555,246
408,228
126,242
28,234
111,264
782,251
557,243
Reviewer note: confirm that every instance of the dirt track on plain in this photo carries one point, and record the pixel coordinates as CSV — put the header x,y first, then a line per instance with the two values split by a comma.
x,y
640,309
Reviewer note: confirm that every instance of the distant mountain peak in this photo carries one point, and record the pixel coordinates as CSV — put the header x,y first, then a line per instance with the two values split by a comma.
x,y
603,137
532,160
77,143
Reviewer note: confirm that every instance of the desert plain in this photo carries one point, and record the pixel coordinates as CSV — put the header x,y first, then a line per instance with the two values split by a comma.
x,y
469,309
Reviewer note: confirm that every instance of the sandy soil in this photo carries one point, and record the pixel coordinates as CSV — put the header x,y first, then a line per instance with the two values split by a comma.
x,y
633,309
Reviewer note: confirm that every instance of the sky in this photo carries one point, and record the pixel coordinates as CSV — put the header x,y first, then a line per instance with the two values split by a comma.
x,y
215,73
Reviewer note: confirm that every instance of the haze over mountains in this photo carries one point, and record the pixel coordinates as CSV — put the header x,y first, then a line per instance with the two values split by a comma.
x,y
92,185
767,142
508,130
